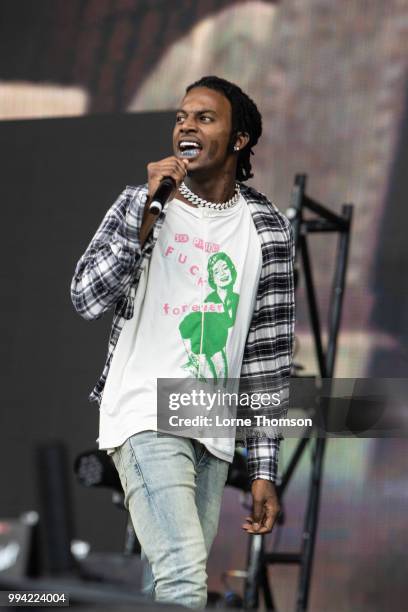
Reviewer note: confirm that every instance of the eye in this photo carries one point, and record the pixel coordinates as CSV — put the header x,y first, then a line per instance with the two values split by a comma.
x,y
179,118
206,118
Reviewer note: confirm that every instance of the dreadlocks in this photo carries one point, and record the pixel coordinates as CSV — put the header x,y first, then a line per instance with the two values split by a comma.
x,y
245,118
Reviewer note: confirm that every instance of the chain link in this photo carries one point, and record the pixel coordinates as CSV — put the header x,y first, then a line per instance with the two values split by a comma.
x,y
195,199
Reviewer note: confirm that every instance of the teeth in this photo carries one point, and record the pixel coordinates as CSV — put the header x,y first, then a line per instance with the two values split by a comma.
x,y
190,153
188,143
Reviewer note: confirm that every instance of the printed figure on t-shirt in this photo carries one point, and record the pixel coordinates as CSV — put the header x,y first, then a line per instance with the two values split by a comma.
x,y
205,334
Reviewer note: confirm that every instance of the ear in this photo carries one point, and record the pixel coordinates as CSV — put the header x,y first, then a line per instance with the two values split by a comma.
x,y
241,141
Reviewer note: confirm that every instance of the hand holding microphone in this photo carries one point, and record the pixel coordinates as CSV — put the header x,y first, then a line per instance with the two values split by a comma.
x,y
164,177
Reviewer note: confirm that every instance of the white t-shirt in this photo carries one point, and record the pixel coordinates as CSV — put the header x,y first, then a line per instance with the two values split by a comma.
x,y
192,313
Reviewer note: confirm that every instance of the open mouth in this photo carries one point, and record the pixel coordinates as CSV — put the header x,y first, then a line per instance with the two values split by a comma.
x,y
189,148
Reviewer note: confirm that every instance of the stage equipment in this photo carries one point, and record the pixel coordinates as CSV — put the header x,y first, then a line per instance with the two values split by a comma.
x,y
56,507
95,468
256,576
19,546
94,580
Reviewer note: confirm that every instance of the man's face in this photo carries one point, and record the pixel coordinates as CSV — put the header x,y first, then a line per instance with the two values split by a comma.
x,y
202,130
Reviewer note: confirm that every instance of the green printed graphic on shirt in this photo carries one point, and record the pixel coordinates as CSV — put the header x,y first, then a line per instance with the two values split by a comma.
x,y
205,333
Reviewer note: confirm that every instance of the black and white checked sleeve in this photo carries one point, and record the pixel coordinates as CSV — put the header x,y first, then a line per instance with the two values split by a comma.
x,y
263,458
104,272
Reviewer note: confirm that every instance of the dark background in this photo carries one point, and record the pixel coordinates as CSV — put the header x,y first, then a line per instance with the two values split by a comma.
x,y
59,177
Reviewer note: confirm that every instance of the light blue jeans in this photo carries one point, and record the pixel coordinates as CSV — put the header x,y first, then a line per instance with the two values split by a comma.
x,y
173,489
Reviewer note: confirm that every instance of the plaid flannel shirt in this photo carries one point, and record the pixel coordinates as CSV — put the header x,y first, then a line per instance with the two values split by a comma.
x,y
107,275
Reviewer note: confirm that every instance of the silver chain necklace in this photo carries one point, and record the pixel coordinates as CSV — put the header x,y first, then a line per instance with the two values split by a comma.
x,y
194,199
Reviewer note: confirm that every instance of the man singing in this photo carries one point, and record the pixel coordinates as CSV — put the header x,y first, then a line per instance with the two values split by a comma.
x,y
205,290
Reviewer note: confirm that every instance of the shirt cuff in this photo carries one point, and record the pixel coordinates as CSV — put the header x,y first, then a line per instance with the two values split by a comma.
x,y
263,458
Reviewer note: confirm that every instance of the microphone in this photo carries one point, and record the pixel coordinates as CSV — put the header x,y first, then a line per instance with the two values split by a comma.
x,y
162,194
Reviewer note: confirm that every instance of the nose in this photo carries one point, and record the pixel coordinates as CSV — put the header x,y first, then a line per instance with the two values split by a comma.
x,y
188,125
